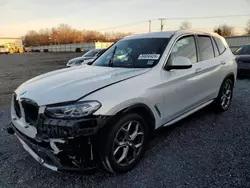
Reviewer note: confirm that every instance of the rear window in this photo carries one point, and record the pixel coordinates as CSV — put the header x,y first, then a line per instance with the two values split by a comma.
x,y
220,45
216,50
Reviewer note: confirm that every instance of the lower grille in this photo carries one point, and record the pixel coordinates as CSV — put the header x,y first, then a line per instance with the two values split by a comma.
x,y
17,107
30,111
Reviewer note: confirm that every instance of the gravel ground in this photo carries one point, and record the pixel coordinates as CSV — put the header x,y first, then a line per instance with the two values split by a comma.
x,y
17,68
203,150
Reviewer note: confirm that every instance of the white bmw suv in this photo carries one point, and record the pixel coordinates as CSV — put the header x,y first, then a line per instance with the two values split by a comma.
x,y
104,114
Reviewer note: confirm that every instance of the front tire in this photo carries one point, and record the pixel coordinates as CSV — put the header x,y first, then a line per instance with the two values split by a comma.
x,y
223,101
125,143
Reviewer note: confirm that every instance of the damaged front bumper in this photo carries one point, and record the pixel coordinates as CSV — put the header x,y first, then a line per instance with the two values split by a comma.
x,y
62,145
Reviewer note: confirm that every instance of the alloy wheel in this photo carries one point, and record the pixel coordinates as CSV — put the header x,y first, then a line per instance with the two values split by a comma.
x,y
128,143
226,95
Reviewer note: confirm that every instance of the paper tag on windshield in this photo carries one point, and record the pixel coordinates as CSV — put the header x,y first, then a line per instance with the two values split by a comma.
x,y
149,56
150,62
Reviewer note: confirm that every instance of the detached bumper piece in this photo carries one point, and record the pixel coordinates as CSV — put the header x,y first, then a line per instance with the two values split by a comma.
x,y
63,145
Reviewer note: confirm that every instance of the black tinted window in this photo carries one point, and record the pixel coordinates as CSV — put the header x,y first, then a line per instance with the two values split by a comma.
x,y
185,47
206,48
220,45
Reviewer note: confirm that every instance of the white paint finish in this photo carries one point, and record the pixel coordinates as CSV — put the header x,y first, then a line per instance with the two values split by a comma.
x,y
187,114
176,93
29,131
143,89
71,84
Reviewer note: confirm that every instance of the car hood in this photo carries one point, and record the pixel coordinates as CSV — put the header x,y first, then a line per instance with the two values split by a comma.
x,y
72,84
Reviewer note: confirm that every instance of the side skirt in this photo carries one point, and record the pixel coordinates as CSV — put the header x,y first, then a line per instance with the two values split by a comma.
x,y
187,114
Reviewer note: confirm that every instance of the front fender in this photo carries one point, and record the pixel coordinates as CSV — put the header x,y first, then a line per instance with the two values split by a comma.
x,y
115,108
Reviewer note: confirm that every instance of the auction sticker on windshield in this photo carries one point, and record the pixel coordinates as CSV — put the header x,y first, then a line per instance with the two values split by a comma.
x,y
149,56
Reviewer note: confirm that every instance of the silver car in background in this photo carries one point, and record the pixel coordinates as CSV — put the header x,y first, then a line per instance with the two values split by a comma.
x,y
86,58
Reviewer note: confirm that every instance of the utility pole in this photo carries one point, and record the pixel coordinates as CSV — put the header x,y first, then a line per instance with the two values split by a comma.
x,y
162,19
149,29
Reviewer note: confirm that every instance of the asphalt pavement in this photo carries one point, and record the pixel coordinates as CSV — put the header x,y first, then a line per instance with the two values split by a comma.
x,y
203,150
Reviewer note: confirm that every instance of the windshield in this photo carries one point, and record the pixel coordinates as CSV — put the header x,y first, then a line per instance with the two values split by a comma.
x,y
136,53
91,53
244,50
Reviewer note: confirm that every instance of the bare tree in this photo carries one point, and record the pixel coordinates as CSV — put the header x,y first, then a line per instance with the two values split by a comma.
x,y
185,25
64,34
247,29
31,38
224,30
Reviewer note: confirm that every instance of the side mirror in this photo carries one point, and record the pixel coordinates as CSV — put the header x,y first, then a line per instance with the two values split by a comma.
x,y
179,62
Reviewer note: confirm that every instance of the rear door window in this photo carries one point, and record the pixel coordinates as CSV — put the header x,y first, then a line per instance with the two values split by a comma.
x,y
205,48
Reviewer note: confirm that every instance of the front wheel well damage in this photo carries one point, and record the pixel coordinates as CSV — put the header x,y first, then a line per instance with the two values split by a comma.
x,y
141,109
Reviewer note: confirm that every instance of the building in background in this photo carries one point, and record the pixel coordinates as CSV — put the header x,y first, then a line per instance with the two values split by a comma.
x,y
69,47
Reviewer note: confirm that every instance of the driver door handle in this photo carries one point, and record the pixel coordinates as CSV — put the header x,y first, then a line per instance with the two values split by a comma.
x,y
198,70
223,62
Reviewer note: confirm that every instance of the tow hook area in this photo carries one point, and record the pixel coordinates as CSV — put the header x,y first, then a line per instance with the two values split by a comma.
x,y
63,154
67,145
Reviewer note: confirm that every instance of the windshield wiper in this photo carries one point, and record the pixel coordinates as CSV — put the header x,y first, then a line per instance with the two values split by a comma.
x,y
129,55
112,57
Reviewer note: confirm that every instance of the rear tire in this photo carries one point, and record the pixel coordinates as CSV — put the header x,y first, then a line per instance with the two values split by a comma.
x,y
125,143
223,101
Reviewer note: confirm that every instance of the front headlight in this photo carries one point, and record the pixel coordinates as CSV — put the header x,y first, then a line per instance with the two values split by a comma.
x,y
77,110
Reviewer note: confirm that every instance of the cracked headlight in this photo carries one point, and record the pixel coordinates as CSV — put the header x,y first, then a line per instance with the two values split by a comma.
x,y
77,110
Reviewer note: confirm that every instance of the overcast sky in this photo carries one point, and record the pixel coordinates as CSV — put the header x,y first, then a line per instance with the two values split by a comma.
x,y
19,16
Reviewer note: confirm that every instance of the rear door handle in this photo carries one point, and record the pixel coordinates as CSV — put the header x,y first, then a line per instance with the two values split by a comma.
x,y
198,70
223,62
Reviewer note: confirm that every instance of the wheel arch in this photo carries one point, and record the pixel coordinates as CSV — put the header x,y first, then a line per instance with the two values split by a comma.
x,y
230,76
141,109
